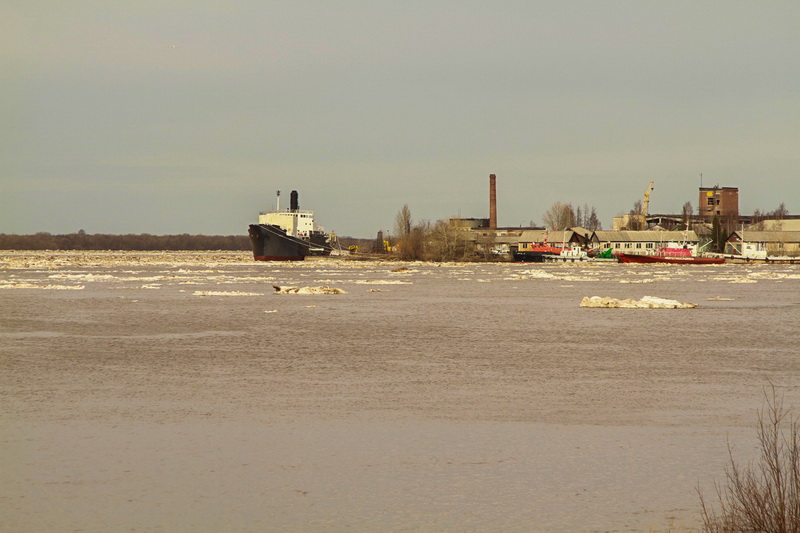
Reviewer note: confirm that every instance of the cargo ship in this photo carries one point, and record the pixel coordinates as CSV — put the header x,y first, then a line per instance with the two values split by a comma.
x,y
288,235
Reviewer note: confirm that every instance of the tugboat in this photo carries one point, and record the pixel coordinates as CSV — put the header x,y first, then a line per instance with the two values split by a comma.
x,y
572,254
535,253
288,235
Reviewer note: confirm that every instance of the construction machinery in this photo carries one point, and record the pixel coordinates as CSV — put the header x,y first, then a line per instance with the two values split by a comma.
x,y
646,200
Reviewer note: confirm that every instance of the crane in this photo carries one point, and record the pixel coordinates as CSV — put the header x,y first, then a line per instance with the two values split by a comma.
x,y
646,200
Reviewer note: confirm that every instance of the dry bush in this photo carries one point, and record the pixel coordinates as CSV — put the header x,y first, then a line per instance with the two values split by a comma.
x,y
762,495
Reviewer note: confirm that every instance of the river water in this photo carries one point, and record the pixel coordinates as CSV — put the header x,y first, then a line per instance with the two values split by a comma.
x,y
178,392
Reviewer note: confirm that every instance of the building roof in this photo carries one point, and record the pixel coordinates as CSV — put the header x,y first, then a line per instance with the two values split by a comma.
x,y
781,225
644,236
540,235
767,236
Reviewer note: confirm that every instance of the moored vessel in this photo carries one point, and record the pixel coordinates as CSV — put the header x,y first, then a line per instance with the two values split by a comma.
x,y
765,260
756,252
675,256
574,254
288,235
535,253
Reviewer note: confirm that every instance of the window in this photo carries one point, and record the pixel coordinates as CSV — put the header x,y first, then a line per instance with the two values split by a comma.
x,y
710,201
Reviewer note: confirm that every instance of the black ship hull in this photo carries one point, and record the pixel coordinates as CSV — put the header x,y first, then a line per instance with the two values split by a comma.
x,y
318,244
271,243
529,257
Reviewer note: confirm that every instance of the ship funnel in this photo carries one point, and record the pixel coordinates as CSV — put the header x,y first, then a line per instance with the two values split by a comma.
x,y
294,205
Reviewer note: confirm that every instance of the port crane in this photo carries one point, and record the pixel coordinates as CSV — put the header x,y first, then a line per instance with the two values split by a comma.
x,y
646,201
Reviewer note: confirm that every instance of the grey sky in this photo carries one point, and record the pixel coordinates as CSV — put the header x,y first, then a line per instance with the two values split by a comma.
x,y
185,117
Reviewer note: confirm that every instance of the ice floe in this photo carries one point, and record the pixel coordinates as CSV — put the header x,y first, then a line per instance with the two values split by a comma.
x,y
382,282
226,293
647,302
25,285
324,289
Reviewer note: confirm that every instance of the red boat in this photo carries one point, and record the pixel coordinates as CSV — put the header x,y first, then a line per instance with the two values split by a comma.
x,y
675,256
535,253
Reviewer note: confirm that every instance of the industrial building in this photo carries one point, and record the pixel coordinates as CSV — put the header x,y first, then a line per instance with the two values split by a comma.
x,y
488,239
722,202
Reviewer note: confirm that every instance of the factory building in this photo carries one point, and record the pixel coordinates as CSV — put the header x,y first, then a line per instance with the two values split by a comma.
x,y
722,202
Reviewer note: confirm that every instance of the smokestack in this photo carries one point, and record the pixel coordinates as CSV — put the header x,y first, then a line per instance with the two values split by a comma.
x,y
294,205
492,201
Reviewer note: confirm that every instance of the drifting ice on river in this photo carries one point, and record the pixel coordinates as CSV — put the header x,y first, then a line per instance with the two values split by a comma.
x,y
648,302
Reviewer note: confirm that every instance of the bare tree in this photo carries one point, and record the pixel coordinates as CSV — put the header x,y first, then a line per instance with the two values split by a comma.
x,y
414,245
559,216
586,217
687,213
758,220
402,222
447,242
593,222
780,213
762,495
636,220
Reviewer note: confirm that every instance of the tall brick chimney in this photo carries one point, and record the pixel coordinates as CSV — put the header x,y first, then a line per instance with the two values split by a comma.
x,y
492,201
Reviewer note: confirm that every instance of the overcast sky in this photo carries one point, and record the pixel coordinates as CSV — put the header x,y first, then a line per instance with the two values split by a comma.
x,y
186,116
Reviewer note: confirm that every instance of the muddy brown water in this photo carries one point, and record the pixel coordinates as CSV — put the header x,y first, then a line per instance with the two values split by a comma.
x,y
178,392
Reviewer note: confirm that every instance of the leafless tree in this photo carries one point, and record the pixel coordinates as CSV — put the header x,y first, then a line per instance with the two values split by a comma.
x,y
402,222
447,242
559,216
414,245
593,222
780,213
688,212
765,495
636,220
758,220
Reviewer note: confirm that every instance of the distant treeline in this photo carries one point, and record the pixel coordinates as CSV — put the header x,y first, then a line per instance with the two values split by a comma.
x,y
141,242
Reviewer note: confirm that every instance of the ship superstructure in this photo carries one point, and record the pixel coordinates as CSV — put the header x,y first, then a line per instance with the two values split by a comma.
x,y
293,221
289,234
